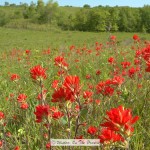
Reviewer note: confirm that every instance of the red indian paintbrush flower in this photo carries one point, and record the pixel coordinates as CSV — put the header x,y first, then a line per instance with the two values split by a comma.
x,y
98,72
120,119
146,56
38,72
24,106
109,136
57,115
48,145
136,37
17,148
113,37
21,98
72,83
131,72
60,61
117,80
111,60
55,84
41,111
125,64
87,94
27,51
72,86
1,115
47,111
92,130
14,77
1,143
148,66
59,95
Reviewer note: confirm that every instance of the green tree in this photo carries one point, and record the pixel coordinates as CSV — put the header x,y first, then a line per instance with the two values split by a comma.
x,y
30,12
81,20
112,19
86,6
4,18
97,19
145,18
51,11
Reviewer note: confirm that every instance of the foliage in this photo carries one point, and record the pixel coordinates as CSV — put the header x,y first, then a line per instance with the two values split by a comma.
x,y
86,18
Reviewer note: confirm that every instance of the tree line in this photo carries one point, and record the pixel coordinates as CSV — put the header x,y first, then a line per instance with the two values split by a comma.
x,y
95,19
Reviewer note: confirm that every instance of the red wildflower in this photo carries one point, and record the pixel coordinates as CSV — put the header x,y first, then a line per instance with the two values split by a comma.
x,y
45,135
46,111
77,108
148,66
136,37
24,106
60,62
55,84
48,145
21,98
97,101
17,148
111,60
72,84
88,76
72,47
92,130
125,64
14,77
146,53
8,134
113,37
120,119
137,61
27,51
1,115
41,111
131,72
117,80
1,143
108,91
79,137
38,72
98,72
57,115
87,94
60,95
146,56
109,136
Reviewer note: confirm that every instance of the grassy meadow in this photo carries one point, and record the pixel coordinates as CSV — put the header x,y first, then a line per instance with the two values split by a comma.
x,y
33,39
60,84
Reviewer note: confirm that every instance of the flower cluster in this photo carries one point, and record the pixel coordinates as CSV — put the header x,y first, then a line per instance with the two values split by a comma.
x,y
22,101
118,125
47,112
107,87
38,73
69,90
146,56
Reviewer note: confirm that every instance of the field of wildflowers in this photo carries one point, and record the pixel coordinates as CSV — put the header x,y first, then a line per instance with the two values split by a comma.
x,y
100,92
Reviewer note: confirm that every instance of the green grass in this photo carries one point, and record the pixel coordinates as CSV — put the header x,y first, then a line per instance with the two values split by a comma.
x,y
30,39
